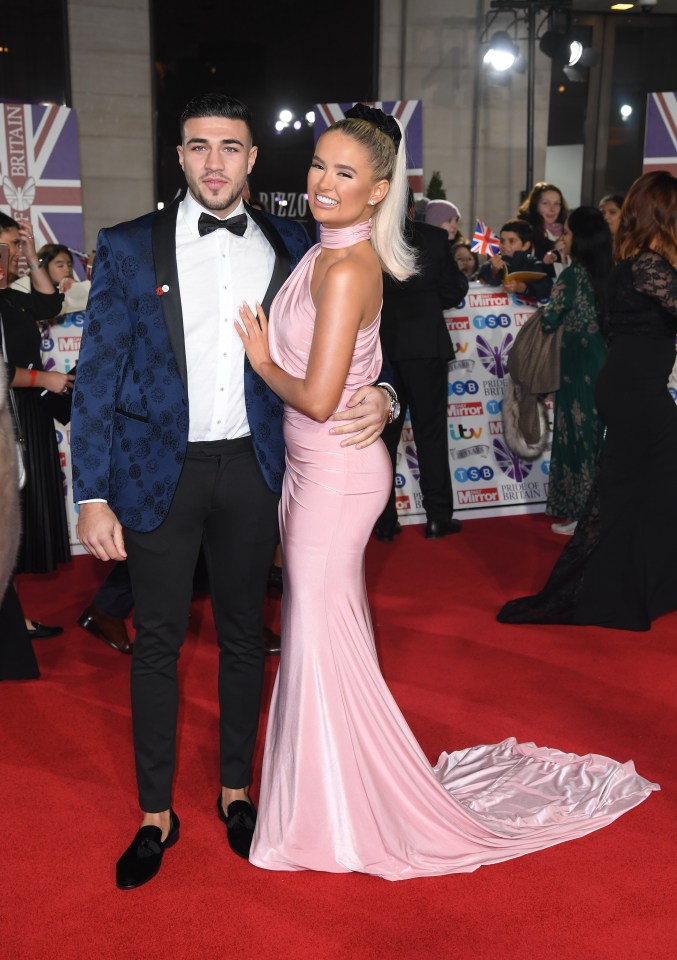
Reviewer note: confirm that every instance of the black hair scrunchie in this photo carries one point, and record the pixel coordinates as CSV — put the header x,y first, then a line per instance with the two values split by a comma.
x,y
383,121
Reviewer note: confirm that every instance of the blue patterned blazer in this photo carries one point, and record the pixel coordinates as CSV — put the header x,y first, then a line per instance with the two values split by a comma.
x,y
129,426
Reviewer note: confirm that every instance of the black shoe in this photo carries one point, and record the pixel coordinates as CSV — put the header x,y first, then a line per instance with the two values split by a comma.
x,y
143,857
386,534
240,822
111,630
39,631
434,529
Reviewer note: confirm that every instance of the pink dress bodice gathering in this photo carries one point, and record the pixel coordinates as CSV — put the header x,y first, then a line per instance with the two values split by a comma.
x,y
345,785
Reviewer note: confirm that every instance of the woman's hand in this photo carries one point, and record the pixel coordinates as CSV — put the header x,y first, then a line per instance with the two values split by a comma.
x,y
55,382
40,279
253,331
27,241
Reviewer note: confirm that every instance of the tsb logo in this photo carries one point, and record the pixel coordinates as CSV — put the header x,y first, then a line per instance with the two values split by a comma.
x,y
473,474
494,406
400,481
459,388
492,321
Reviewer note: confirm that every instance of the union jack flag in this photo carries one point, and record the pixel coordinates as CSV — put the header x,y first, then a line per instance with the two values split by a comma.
x,y
40,171
660,142
484,240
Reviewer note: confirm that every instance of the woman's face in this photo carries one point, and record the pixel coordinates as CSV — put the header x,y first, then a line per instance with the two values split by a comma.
x,y
451,226
60,267
10,236
549,206
341,183
465,261
612,214
564,242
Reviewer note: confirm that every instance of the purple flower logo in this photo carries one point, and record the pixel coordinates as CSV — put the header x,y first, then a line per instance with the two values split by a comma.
x,y
511,465
412,461
494,358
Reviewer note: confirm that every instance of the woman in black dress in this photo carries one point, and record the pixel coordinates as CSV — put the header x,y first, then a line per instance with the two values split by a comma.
x,y
620,568
44,541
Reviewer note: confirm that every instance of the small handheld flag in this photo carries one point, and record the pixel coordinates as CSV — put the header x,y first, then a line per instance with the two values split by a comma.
x,y
484,240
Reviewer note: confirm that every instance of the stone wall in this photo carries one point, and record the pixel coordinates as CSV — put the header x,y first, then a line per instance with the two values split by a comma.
x,y
474,133
111,77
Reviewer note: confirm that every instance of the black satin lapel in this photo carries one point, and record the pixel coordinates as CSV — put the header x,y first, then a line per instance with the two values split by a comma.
x,y
166,274
282,258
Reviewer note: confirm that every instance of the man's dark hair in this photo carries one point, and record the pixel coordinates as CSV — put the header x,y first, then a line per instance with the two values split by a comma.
x,y
6,223
216,105
523,230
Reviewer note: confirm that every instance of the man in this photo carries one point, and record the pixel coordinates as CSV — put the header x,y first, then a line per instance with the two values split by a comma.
x,y
415,338
177,443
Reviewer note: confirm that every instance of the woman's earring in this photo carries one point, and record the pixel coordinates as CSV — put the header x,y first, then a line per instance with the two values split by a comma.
x,y
372,203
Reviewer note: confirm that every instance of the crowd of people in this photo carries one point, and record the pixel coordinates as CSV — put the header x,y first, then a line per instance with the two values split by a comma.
x,y
192,432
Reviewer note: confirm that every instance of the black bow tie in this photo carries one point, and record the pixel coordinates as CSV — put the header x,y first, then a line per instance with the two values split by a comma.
x,y
236,225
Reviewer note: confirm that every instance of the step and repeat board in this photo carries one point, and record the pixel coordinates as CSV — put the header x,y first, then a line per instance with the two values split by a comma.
x,y
488,480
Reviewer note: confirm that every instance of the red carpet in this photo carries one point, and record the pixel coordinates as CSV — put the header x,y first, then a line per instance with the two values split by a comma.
x,y
68,802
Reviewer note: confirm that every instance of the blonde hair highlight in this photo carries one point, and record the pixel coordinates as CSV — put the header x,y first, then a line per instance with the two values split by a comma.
x,y
387,236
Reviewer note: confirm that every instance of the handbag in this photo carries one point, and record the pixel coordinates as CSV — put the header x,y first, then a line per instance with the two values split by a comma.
x,y
21,452
534,371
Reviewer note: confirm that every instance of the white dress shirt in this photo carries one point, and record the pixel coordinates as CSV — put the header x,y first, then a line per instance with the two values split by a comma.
x,y
217,273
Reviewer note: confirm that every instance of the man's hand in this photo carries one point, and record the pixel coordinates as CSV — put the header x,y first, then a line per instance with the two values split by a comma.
x,y
366,415
100,532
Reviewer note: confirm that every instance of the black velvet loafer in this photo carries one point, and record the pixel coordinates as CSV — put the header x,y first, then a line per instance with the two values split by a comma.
x,y
39,631
143,857
240,821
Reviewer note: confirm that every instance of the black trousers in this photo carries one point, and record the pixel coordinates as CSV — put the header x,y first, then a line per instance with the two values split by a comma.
x,y
422,387
222,503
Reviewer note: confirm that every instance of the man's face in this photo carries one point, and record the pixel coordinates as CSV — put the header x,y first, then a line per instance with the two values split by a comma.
x,y
216,155
10,236
511,242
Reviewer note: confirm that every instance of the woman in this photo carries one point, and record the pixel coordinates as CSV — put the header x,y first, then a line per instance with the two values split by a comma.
x,y
345,785
57,259
466,260
17,660
546,211
576,304
610,208
447,216
620,568
44,541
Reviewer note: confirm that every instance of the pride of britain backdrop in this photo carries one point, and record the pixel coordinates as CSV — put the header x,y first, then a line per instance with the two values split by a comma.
x,y
488,480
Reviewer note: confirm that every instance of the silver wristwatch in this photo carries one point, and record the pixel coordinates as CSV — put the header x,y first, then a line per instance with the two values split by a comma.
x,y
395,409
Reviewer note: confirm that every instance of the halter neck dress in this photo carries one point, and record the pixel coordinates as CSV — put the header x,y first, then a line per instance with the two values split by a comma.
x,y
345,786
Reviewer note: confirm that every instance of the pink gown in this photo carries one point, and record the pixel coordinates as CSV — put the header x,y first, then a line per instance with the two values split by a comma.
x,y
345,786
